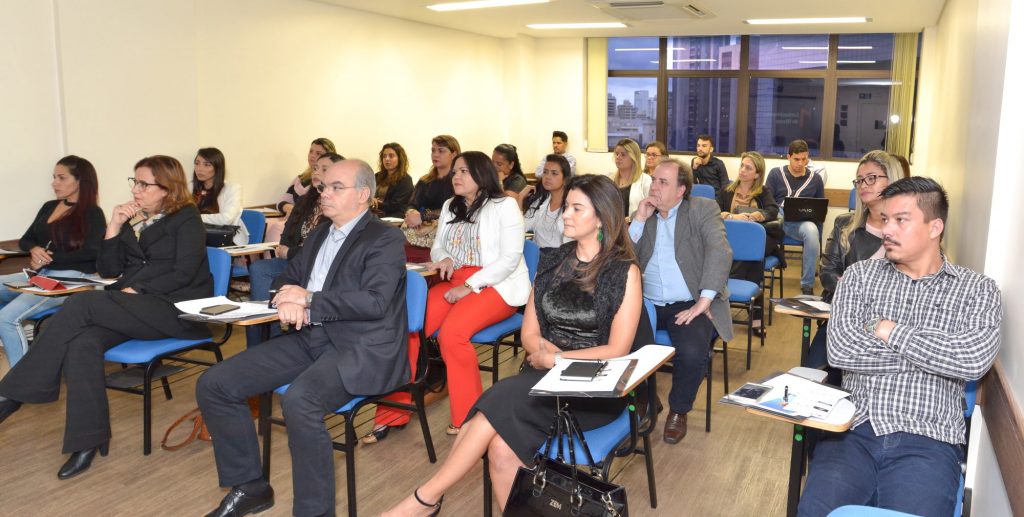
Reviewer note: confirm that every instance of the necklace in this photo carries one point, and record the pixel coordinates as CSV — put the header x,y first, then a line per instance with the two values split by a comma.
x,y
68,203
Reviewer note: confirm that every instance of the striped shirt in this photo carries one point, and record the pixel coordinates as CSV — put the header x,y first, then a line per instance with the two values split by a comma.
x,y
462,242
947,332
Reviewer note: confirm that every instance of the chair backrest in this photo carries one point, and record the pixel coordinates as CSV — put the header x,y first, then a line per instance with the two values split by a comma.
x,y
970,396
531,254
702,190
256,223
653,316
415,300
746,239
220,268
853,199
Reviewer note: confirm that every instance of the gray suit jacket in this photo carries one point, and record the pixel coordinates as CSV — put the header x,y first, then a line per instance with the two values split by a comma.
x,y
702,253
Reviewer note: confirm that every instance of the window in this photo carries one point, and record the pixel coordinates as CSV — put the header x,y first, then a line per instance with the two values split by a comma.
x,y
702,105
632,109
756,92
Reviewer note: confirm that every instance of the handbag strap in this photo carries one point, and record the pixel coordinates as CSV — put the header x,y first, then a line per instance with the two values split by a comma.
x,y
197,426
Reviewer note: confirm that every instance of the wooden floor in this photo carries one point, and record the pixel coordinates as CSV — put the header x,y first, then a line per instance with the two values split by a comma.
x,y
738,469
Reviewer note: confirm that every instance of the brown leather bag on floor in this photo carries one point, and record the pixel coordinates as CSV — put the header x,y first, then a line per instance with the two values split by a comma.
x,y
199,430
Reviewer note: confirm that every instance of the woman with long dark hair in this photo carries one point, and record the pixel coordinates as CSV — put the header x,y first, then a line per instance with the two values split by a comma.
x,y
219,202
587,303
394,185
63,240
431,191
543,214
154,245
478,254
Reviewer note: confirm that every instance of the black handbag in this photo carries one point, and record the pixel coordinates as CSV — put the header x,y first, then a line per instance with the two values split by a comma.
x,y
555,488
220,235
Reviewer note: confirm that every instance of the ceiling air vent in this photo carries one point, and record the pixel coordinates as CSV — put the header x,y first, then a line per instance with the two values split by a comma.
x,y
652,10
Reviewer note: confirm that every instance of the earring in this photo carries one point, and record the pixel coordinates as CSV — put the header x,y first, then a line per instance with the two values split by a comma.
x,y
600,234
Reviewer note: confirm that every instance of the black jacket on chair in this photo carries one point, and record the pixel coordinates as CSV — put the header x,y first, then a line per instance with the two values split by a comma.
x,y
861,246
166,264
362,303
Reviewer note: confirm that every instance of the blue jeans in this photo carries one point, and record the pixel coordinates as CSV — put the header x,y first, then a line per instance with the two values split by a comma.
x,y
262,274
18,307
807,233
899,471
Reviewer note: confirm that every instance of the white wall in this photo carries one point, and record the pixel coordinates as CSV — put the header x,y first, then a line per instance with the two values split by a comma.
x,y
31,138
259,80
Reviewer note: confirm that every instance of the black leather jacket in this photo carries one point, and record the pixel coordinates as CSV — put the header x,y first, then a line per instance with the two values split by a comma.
x,y
837,258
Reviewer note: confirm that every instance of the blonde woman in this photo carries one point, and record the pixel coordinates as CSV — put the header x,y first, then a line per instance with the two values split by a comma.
x,y
630,179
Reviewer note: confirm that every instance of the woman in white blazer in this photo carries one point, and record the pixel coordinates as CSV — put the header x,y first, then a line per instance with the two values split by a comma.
x,y
478,253
219,202
629,177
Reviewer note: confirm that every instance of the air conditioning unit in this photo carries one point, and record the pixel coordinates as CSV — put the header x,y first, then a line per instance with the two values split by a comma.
x,y
653,10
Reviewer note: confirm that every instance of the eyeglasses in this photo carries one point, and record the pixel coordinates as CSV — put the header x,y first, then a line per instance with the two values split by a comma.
x,y
868,180
336,188
141,184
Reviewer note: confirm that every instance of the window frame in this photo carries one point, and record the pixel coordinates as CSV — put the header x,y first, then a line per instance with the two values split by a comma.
x,y
831,75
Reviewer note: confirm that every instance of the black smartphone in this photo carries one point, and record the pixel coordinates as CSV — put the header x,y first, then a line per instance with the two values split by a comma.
x,y
216,310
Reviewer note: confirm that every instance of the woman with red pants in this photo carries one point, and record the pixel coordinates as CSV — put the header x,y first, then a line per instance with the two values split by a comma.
x,y
478,253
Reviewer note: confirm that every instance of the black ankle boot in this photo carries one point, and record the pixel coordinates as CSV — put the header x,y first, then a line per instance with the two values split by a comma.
x,y
7,408
80,461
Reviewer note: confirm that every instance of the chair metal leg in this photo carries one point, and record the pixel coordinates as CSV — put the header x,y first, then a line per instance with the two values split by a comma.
x,y
421,409
494,362
652,486
147,408
707,412
167,388
350,462
266,406
487,488
750,329
725,367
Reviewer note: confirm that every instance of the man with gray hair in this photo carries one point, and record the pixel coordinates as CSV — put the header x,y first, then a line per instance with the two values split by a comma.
x,y
344,294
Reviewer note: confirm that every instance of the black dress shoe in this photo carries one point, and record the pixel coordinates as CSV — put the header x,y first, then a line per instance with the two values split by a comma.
x,y
7,408
238,503
80,461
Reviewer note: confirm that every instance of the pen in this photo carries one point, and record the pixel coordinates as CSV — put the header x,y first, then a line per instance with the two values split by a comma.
x,y
785,395
270,302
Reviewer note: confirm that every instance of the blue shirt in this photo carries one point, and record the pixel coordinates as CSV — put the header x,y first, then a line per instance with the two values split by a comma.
x,y
328,250
663,280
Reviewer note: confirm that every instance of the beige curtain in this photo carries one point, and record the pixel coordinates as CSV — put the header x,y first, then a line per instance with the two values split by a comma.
x,y
597,94
901,97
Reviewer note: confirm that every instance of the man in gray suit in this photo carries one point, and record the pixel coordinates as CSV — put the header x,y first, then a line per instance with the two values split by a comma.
x,y
345,295
685,258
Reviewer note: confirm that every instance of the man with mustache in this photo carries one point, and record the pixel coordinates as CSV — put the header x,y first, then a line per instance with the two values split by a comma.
x,y
708,169
908,331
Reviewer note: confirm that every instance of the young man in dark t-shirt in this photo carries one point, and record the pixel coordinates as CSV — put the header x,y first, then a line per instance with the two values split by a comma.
x,y
706,168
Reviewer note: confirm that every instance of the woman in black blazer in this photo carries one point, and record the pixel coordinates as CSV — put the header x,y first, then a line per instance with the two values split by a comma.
x,y
155,243
746,199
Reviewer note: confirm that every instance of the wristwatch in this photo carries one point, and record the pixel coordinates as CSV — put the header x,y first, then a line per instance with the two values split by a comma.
x,y
467,286
872,324
309,300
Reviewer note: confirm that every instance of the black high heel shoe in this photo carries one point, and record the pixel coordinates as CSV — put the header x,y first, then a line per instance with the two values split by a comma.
x,y
80,461
436,506
7,408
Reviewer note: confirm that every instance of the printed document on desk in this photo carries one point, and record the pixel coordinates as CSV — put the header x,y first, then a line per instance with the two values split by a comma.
x,y
794,397
245,309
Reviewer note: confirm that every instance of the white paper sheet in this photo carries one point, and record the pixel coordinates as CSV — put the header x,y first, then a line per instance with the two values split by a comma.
x,y
245,309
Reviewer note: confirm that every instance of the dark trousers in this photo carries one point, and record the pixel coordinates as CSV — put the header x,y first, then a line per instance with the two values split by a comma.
x,y
73,342
691,359
899,471
305,359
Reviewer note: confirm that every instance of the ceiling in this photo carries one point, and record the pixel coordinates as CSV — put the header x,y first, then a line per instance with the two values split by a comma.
x,y
671,19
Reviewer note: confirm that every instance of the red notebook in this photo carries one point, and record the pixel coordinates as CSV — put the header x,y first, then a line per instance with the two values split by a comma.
x,y
47,284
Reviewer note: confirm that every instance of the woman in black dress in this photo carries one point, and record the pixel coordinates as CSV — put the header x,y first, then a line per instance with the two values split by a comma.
x,y
586,304
156,244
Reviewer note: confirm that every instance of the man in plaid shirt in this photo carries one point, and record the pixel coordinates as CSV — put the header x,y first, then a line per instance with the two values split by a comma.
x,y
907,331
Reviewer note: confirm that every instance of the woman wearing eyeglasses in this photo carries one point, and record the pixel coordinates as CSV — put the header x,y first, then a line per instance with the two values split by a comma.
x,y
155,244
653,155
63,241
856,235
218,201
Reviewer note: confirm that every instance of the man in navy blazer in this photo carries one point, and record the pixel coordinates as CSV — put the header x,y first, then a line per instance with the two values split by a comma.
x,y
344,294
